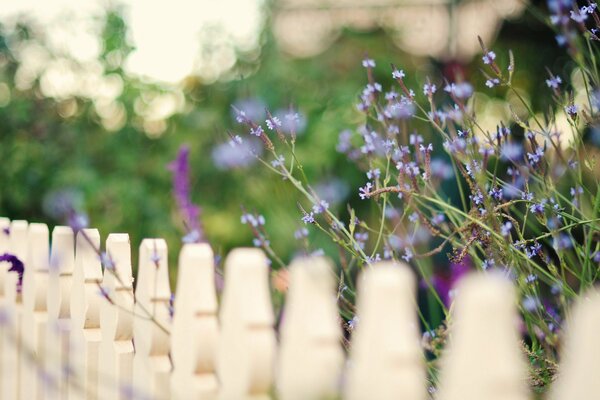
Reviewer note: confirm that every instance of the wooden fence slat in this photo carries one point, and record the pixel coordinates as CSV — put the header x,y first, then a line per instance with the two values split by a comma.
x,y
310,356
484,360
579,371
115,362
151,325
246,349
386,361
60,281
35,315
85,316
195,326
4,244
17,245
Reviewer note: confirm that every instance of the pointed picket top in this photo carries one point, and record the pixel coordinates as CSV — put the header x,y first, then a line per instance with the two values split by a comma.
x,y
85,294
18,239
62,264
115,315
116,351
483,360
311,356
60,280
151,324
37,262
195,325
579,370
386,361
4,244
246,348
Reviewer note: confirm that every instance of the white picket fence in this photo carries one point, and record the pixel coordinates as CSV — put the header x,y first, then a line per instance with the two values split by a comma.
x,y
75,331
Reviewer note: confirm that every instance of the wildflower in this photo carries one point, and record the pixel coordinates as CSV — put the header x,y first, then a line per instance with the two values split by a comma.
x,y
533,250
364,192
308,218
527,196
408,255
538,208
531,279
353,323
429,89
505,228
488,263
489,57
368,63
492,82
438,219
554,82
278,162
571,110
424,149
301,233
273,123
496,193
530,303
398,74
536,156
576,191
511,151
253,220
580,15
373,173
413,217
321,207
461,90
257,131
562,242
260,242
240,116
477,198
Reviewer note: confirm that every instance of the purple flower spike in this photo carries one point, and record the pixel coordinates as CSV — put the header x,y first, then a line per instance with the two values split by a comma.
x,y
182,193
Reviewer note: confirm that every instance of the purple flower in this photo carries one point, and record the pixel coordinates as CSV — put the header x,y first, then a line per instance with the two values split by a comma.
x,y
538,208
505,228
580,15
365,191
308,218
321,207
374,173
273,123
257,131
554,82
398,74
429,89
368,63
16,265
531,279
492,82
489,57
182,192
571,109
408,254
254,220
301,233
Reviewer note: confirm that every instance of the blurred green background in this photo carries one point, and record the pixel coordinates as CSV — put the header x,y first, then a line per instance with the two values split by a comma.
x,y
112,156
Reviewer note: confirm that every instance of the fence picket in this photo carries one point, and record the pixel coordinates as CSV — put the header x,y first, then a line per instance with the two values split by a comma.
x,y
579,373
35,315
195,326
484,360
60,281
17,245
311,357
151,325
85,316
4,266
386,357
115,361
246,349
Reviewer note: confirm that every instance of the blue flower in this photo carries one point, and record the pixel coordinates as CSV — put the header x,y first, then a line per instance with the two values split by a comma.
x,y
489,57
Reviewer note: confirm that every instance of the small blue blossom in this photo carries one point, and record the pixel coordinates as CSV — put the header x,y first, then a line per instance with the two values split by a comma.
x,y
308,218
571,109
489,57
368,63
531,303
492,82
538,208
531,279
429,89
554,82
408,254
374,173
301,233
364,192
258,131
398,74
488,263
505,228
273,123
413,217
321,207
